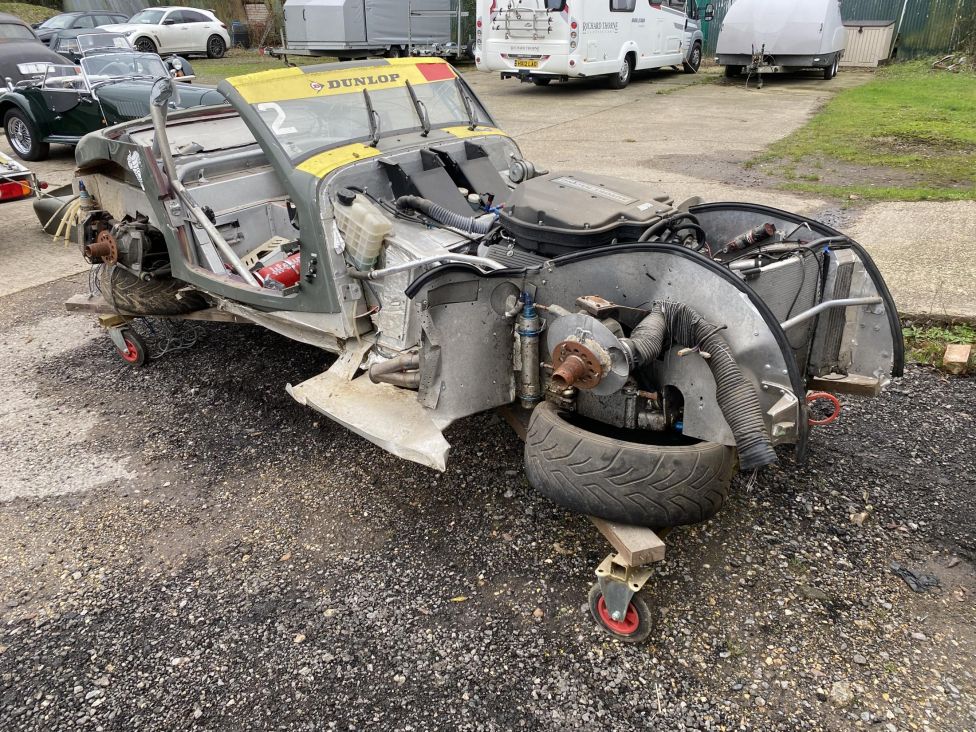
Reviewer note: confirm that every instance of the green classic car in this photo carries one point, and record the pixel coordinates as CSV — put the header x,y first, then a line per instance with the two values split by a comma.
x,y
65,102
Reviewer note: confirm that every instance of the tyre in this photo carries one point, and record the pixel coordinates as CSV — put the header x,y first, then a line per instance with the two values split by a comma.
x,y
622,78
541,81
23,136
135,353
145,45
634,627
395,52
216,47
693,63
132,296
731,72
652,485
831,71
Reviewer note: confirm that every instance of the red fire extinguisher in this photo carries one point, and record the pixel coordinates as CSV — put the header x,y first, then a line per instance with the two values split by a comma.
x,y
281,274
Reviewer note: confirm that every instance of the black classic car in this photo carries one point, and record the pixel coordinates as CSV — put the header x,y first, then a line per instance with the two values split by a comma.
x,y
64,102
22,55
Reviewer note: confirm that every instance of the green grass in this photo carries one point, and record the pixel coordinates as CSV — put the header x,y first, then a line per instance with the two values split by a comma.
x,y
28,12
908,134
238,63
872,192
926,343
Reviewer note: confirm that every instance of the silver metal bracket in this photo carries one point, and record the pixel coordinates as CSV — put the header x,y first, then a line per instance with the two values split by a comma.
x,y
619,583
350,292
115,333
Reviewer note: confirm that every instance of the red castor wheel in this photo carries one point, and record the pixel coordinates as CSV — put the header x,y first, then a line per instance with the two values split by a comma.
x,y
135,350
633,627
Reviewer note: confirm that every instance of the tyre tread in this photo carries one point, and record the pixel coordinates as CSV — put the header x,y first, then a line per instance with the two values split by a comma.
x,y
646,485
130,295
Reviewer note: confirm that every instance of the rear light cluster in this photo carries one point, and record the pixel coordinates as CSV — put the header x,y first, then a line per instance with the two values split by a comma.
x,y
477,34
573,34
14,190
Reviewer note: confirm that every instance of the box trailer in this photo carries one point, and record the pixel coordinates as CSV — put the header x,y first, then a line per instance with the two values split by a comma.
x,y
767,36
361,28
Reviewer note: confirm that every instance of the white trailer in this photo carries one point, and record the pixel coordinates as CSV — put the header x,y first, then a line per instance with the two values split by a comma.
x,y
768,36
361,28
543,40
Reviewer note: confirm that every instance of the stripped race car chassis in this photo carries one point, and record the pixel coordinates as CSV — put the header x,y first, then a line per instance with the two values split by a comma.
x,y
645,350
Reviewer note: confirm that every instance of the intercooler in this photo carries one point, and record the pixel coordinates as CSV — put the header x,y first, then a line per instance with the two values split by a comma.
x,y
788,286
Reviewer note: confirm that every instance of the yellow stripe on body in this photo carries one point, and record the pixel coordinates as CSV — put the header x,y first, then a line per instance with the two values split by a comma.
x,y
465,131
283,85
324,163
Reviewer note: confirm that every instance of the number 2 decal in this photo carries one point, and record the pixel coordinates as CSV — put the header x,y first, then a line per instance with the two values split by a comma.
x,y
279,120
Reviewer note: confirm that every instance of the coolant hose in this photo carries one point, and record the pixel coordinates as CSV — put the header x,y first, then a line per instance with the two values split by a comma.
x,y
470,224
735,396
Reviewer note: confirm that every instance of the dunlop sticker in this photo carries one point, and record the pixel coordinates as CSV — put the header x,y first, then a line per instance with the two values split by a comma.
x,y
288,84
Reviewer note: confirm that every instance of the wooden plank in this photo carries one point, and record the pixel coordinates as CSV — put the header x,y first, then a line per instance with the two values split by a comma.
x,y
97,306
517,418
853,384
635,545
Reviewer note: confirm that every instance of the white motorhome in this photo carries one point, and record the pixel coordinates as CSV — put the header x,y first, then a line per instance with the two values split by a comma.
x,y
542,40
764,36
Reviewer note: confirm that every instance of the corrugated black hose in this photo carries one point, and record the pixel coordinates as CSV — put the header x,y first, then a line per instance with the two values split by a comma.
x,y
735,396
443,215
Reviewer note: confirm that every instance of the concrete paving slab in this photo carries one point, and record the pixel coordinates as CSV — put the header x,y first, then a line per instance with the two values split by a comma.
x,y
924,251
28,256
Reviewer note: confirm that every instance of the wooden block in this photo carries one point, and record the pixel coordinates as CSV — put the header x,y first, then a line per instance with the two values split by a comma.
x,y
112,321
635,545
853,384
956,358
517,418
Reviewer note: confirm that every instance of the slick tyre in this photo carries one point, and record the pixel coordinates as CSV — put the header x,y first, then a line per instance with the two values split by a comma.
x,y
658,486
132,296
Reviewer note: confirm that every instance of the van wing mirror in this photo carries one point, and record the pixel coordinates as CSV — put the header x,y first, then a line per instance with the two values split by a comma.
x,y
555,6
709,12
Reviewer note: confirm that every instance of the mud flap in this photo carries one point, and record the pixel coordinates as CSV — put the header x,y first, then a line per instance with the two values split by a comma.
x,y
387,416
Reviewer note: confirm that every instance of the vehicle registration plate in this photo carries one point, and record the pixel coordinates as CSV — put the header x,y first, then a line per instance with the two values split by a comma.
x,y
526,63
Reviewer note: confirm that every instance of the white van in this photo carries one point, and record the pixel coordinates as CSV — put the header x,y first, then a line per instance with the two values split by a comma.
x,y
542,40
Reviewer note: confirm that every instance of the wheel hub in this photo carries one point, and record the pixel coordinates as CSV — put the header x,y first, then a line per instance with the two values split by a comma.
x,y
20,137
626,625
105,248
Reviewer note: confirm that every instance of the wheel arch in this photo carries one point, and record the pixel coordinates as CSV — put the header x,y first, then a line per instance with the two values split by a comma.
x,y
20,103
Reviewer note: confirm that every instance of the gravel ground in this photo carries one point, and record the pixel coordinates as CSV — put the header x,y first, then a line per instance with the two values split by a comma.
x,y
185,547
